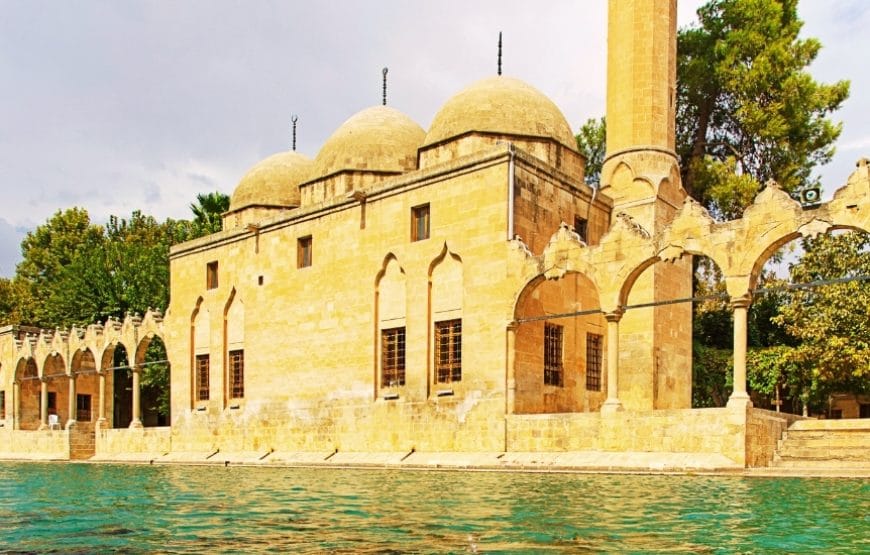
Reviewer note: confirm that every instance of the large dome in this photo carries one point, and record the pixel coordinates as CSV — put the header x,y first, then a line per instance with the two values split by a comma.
x,y
272,182
504,106
378,139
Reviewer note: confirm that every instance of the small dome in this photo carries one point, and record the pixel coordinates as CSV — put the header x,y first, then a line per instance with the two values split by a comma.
x,y
272,182
504,106
378,139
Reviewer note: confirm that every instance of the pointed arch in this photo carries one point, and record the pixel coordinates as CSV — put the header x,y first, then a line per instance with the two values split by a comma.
x,y
234,348
390,302
445,300
27,401
200,352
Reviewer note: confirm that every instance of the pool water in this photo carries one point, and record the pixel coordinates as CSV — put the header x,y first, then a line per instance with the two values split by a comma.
x,y
86,508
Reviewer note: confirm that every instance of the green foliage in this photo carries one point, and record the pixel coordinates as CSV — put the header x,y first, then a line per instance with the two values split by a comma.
x,y
155,378
47,253
128,271
831,322
7,301
207,213
75,272
592,143
712,372
747,109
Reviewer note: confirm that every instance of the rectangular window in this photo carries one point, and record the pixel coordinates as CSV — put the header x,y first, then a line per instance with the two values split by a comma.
x,y
581,227
202,377
420,222
211,275
593,362
2,405
393,357
303,252
52,402
864,410
83,408
448,351
237,374
553,354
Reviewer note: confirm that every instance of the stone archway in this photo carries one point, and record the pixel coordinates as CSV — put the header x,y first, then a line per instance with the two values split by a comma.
x,y
83,368
559,346
119,377
27,395
58,385
153,366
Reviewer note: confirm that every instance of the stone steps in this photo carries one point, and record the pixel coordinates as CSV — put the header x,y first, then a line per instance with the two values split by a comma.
x,y
82,444
828,444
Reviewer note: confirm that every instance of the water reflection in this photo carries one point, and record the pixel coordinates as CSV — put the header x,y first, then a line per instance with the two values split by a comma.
x,y
177,509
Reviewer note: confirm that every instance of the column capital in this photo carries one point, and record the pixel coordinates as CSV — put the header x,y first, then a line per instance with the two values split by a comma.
x,y
614,316
743,301
512,325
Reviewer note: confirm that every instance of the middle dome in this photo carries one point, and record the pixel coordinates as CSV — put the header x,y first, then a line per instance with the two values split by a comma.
x,y
503,106
377,139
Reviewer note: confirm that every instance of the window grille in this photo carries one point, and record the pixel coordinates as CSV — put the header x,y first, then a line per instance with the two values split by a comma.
x,y
202,378
393,357
211,275
593,362
581,228
553,354
304,252
420,223
237,374
448,351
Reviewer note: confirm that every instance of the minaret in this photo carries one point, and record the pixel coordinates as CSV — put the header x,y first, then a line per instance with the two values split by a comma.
x,y
641,174
640,164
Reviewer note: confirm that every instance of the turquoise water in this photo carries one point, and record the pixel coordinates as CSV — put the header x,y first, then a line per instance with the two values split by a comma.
x,y
82,508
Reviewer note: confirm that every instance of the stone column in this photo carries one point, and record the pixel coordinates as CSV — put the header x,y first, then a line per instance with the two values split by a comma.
x,y
16,405
740,398
72,405
137,413
511,370
43,404
101,406
612,404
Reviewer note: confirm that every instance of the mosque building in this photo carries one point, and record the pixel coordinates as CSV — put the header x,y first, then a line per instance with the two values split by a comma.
x,y
456,289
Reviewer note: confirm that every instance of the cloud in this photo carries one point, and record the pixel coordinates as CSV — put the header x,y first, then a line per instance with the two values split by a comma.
x,y
10,247
861,143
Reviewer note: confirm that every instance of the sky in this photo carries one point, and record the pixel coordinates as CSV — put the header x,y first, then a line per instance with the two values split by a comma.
x,y
114,106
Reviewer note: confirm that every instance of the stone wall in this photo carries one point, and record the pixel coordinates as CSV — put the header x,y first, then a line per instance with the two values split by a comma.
x,y
670,431
129,441
764,429
472,423
34,444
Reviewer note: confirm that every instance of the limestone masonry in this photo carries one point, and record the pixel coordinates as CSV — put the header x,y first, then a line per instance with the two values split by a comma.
x,y
456,289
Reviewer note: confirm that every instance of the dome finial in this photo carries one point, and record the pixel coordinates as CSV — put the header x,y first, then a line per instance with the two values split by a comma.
x,y
499,52
384,72
294,118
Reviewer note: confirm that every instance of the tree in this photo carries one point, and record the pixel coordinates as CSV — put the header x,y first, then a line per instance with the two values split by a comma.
x,y
207,212
592,142
127,272
7,301
47,252
747,109
831,322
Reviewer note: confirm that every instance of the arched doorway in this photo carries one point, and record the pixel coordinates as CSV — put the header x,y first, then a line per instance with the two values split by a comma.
x,y
119,381
84,370
27,377
154,381
57,383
